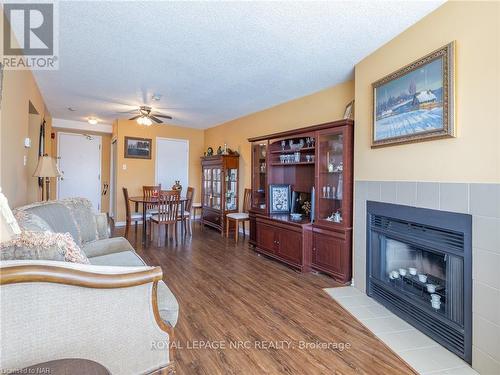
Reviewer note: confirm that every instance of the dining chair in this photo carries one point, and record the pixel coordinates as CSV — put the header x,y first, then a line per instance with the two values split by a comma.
x,y
168,211
149,191
129,215
186,215
240,217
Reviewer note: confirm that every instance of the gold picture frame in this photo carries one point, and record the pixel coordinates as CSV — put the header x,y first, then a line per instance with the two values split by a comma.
x,y
349,111
138,148
426,110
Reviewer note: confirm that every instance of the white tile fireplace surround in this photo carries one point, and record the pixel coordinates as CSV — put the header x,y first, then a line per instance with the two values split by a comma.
x,y
482,201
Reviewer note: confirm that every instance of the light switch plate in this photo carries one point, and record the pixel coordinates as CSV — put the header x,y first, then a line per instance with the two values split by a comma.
x,y
124,167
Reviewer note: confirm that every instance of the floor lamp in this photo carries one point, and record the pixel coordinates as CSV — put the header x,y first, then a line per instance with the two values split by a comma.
x,y
46,169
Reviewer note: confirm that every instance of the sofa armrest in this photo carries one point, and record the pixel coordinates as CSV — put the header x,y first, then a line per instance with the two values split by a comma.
x,y
102,223
54,310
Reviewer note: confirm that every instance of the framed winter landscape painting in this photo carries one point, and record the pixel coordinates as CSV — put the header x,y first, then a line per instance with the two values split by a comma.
x,y
416,102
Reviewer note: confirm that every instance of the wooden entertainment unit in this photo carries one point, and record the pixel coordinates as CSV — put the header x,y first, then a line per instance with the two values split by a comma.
x,y
317,162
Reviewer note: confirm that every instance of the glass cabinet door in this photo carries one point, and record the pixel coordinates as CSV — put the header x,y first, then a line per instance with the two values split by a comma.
x,y
231,189
207,187
216,188
259,172
331,177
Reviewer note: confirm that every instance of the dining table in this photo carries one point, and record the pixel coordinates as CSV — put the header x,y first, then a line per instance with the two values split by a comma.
x,y
153,201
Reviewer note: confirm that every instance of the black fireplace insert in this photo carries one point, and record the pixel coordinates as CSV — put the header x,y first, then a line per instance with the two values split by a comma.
x,y
419,266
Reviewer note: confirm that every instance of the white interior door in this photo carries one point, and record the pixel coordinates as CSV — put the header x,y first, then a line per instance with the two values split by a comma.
x,y
172,162
80,165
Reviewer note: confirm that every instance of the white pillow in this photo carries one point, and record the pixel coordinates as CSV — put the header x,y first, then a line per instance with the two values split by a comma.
x,y
8,223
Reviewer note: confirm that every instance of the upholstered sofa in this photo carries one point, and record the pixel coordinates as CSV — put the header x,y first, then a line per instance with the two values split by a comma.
x,y
116,310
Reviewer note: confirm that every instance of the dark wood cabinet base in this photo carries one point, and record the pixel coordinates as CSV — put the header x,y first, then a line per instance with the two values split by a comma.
x,y
305,247
282,239
213,218
331,253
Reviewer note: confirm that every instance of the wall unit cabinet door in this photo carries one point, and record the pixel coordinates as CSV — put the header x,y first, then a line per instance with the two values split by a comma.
x,y
253,229
327,253
267,237
290,246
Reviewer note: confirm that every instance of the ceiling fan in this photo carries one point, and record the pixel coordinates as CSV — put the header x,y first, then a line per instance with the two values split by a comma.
x,y
146,116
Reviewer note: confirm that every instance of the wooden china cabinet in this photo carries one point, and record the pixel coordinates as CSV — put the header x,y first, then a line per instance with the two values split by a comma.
x,y
317,163
219,189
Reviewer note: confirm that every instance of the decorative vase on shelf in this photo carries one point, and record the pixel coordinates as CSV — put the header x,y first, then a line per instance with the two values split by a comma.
x,y
177,185
340,187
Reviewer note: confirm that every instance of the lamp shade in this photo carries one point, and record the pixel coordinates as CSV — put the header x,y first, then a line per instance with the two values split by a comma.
x,y
46,167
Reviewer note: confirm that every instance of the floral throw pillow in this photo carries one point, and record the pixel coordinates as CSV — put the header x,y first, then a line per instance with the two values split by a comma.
x,y
43,246
30,222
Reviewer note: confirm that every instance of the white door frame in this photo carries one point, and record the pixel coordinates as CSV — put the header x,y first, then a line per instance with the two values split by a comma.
x,y
186,141
112,179
100,163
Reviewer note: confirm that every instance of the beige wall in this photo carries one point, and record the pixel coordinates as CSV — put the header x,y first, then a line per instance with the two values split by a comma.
x,y
323,106
105,158
34,192
474,156
19,89
141,172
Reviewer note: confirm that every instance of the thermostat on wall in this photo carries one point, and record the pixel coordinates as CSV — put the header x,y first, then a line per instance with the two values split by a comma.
x,y
27,142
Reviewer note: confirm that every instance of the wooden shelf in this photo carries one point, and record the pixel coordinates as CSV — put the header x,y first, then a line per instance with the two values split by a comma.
x,y
289,151
291,164
337,172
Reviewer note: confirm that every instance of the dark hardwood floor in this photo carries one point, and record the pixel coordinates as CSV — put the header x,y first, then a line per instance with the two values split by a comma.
x,y
228,295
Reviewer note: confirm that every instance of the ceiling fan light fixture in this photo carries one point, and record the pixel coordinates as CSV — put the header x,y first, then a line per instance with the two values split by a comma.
x,y
144,120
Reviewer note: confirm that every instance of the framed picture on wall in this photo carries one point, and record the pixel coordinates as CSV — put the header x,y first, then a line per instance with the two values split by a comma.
x,y
138,148
279,197
349,111
416,102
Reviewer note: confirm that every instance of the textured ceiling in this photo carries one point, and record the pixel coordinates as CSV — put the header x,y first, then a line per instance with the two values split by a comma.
x,y
211,61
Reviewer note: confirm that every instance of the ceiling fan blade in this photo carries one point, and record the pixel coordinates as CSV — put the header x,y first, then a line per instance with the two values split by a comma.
x,y
130,111
155,119
164,116
135,117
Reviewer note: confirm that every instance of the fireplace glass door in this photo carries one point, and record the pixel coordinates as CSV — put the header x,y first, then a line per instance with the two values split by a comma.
x,y
431,279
